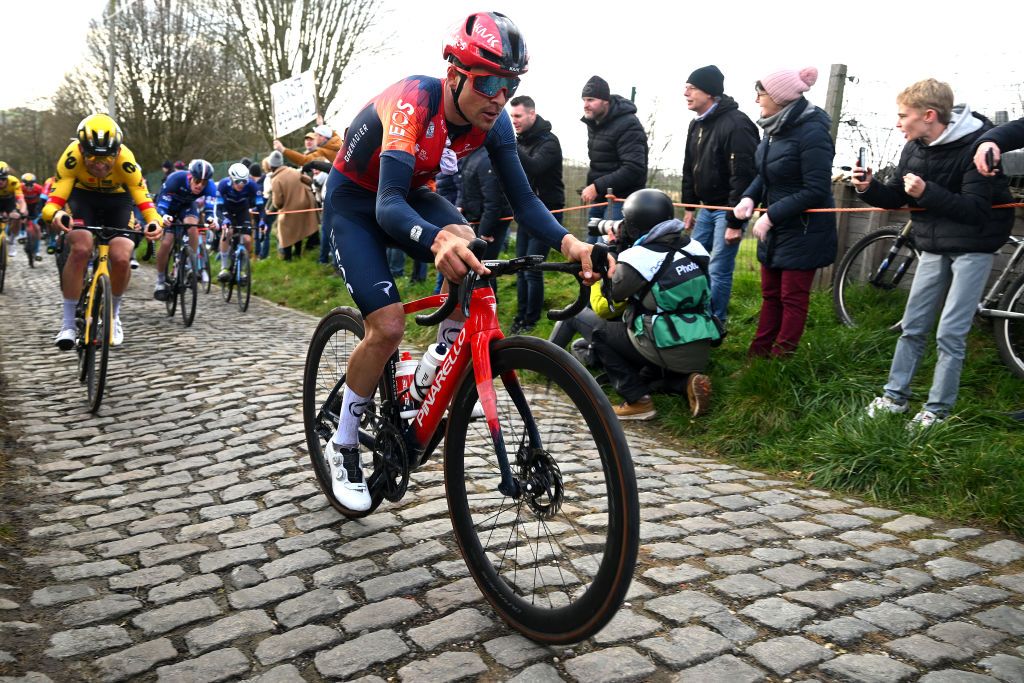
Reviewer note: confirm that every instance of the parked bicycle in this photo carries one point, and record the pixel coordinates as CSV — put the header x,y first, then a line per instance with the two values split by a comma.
x,y
239,269
182,280
541,490
94,316
872,282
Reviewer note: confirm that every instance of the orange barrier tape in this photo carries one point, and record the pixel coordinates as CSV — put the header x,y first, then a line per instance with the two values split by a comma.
x,y
280,213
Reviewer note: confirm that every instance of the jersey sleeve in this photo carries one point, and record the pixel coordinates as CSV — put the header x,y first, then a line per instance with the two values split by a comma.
x,y
63,182
527,208
131,178
402,116
394,214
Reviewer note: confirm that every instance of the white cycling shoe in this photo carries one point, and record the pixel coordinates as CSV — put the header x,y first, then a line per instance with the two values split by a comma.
x,y
347,481
65,340
118,337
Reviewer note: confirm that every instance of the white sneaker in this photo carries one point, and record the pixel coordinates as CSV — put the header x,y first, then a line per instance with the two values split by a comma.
x,y
477,412
118,337
206,276
884,404
347,481
65,340
924,419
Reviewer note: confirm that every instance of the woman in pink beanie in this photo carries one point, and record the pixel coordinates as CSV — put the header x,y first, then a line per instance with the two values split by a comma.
x,y
794,163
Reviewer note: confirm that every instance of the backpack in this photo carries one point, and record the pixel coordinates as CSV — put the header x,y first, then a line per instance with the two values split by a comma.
x,y
681,291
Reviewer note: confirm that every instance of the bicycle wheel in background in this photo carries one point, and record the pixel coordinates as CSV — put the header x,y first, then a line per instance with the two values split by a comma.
x,y
323,382
556,562
205,278
1010,333
171,302
189,291
3,258
244,277
227,286
871,285
30,250
97,347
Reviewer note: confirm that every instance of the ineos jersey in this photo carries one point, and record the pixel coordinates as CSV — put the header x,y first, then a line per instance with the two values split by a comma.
x,y
396,144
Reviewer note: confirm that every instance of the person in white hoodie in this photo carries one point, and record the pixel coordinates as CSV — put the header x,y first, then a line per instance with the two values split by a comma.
x,y
957,232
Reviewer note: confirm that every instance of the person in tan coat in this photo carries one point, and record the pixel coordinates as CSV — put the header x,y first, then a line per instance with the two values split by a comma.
x,y
326,144
290,191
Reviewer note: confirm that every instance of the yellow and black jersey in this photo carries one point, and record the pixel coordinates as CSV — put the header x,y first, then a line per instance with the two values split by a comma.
x,y
12,188
125,176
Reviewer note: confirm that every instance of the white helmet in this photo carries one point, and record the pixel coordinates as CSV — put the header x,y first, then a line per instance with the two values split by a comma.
x,y
238,172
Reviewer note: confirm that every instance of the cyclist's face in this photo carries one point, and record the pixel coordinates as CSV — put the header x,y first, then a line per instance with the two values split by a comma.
x,y
196,185
99,167
481,111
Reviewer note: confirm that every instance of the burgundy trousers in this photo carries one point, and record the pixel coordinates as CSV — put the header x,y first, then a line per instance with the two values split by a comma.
x,y
784,298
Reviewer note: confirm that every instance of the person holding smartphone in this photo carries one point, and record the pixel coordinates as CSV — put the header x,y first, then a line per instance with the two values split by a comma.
x,y
957,232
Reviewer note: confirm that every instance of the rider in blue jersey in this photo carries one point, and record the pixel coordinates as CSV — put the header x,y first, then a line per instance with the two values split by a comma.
x,y
238,199
378,196
184,196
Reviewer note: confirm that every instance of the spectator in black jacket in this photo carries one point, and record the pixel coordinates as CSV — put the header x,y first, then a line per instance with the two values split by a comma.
x,y
717,168
794,163
957,234
541,156
617,146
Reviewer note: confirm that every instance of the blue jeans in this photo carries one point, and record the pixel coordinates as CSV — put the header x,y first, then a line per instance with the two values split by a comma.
x,y
529,284
709,230
613,212
965,276
263,245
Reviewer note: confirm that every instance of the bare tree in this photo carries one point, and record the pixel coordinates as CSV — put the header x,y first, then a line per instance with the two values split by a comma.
x,y
278,39
177,94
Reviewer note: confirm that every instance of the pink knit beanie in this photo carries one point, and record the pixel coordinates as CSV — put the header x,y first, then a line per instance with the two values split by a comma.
x,y
787,85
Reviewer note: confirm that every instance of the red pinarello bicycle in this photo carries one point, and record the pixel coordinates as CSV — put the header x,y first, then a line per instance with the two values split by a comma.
x,y
541,490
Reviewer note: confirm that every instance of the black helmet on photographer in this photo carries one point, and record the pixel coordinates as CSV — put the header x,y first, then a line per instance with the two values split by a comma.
x,y
641,211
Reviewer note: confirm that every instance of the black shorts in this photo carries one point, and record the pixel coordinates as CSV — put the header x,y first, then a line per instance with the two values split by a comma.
x,y
106,209
238,215
8,204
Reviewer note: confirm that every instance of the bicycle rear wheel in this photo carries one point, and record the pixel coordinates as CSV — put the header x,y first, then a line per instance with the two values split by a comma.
x,y
97,347
228,286
556,562
30,250
243,270
189,291
871,285
1010,333
3,259
323,385
171,302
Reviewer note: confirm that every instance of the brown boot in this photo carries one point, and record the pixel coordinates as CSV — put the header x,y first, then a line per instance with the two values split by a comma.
x,y
642,409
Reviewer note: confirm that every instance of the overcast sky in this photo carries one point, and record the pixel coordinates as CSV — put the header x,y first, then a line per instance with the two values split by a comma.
x,y
653,46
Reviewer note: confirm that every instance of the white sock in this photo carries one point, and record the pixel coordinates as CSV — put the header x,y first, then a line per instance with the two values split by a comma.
x,y
68,320
448,331
161,278
352,407
224,259
117,305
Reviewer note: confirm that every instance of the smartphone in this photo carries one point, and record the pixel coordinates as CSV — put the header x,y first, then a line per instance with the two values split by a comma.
x,y
990,159
862,157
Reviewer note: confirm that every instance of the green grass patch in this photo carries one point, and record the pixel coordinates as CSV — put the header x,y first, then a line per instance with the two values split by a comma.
x,y
801,416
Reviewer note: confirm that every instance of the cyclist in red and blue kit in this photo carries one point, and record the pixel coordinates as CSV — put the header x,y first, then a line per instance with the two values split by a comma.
x,y
377,196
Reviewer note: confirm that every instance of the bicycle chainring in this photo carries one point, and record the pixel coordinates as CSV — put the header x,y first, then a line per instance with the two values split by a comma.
x,y
541,481
390,461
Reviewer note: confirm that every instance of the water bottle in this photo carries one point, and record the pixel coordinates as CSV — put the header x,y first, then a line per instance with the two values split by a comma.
x,y
405,371
427,370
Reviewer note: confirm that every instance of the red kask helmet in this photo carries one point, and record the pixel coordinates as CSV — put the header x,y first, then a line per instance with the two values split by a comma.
x,y
490,40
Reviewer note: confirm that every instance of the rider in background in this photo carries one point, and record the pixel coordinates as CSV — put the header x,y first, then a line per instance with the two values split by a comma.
x,y
237,196
183,198
98,180
378,196
12,199
34,201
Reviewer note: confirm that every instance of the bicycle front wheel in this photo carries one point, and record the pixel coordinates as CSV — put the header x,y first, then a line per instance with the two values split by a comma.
x,y
31,244
871,285
3,259
189,291
205,279
243,270
1010,333
98,344
323,386
556,561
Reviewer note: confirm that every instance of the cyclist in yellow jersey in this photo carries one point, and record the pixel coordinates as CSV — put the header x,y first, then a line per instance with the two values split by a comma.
x,y
97,179
12,200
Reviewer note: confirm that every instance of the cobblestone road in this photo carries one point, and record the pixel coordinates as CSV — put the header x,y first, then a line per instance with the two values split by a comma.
x,y
180,536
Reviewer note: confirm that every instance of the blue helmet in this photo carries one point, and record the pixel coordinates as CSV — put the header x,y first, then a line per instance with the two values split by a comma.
x,y
200,169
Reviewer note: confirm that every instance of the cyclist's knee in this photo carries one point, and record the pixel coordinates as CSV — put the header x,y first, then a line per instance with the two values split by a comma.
x,y
386,327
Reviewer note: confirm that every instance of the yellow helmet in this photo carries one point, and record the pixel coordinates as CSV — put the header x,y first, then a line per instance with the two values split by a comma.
x,y
28,178
4,169
99,135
